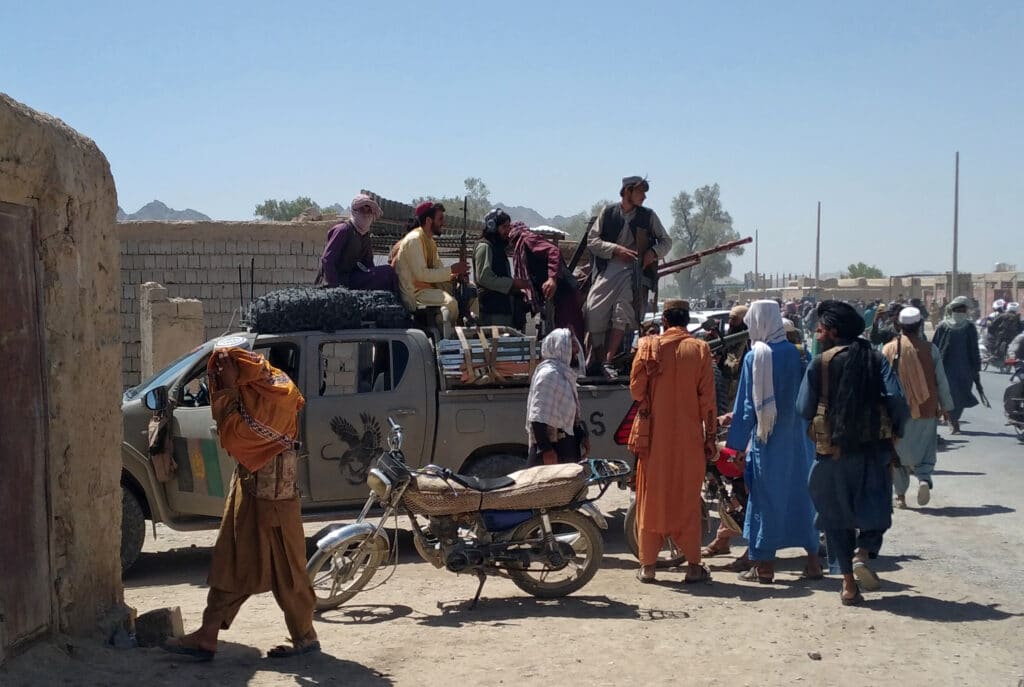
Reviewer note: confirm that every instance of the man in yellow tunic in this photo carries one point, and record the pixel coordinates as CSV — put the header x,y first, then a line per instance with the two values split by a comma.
x,y
261,546
673,381
422,277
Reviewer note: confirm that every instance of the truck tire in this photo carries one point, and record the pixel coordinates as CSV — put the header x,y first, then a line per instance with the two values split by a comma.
x,y
495,465
133,528
305,308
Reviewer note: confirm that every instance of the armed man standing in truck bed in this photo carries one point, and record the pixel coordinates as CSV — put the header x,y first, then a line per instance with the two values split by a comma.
x,y
613,240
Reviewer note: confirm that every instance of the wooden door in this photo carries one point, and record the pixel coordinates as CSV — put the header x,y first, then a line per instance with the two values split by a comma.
x,y
25,580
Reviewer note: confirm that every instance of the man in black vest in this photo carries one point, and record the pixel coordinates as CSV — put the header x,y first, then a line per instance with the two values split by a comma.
x,y
499,293
610,311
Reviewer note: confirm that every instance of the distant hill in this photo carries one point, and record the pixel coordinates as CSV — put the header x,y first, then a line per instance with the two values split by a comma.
x,y
158,212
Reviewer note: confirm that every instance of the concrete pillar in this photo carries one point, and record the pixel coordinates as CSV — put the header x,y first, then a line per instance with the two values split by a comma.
x,y
168,327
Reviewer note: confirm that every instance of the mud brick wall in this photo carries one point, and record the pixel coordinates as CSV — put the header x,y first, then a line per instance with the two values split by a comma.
x,y
200,260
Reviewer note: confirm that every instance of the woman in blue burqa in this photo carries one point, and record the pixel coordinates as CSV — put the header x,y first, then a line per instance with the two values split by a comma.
x,y
779,513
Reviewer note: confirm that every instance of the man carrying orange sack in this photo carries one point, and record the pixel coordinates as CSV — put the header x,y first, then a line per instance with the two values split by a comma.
x,y
261,545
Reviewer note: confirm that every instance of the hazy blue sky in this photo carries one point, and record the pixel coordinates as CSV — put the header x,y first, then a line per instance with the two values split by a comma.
x,y
858,105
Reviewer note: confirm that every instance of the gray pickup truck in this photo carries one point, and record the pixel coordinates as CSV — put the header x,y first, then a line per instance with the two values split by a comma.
x,y
353,380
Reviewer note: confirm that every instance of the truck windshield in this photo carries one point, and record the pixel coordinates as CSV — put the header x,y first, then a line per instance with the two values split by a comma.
x,y
167,374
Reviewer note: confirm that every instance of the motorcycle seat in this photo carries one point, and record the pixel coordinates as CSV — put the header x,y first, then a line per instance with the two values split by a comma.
x,y
481,483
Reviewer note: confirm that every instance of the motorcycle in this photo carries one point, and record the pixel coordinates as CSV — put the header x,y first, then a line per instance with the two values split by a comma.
x,y
1013,400
527,526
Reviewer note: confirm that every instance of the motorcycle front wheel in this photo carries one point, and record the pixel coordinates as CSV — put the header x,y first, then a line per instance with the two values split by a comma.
x,y
577,536
341,571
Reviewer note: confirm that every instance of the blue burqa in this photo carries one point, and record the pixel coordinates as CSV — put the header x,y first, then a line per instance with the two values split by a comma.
x,y
780,513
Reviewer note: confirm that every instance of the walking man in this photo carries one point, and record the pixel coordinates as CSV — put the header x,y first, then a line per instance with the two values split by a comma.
x,y
957,340
261,546
779,510
918,366
673,437
856,408
611,307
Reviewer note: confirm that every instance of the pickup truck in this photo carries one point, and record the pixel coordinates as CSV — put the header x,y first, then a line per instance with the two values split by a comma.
x,y
353,380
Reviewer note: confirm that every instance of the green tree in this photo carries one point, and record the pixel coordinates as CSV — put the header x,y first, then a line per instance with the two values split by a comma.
x,y
284,210
859,269
477,195
699,222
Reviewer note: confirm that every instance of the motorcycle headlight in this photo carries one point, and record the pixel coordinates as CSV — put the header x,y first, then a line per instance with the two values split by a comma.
x,y
379,484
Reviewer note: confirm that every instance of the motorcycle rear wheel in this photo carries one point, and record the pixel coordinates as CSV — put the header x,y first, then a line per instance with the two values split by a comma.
x,y
340,572
573,529
669,556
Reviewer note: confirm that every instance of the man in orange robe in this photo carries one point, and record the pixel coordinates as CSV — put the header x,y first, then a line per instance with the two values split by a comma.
x,y
674,383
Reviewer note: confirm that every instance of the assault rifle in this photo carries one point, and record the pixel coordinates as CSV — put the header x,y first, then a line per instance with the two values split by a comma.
x,y
693,259
716,345
463,291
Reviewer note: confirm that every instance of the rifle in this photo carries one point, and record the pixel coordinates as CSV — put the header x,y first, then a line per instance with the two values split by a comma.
x,y
693,259
581,246
981,391
718,344
462,289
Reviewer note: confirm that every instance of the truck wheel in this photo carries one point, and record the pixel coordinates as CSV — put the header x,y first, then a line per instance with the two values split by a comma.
x,y
495,465
133,529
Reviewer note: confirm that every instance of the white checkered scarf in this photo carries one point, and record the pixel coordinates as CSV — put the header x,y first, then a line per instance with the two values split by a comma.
x,y
554,399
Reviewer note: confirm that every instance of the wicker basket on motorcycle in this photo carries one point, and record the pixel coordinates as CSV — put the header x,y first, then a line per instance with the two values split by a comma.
x,y
432,495
545,485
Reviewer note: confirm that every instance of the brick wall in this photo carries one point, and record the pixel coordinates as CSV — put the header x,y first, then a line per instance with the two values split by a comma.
x,y
200,260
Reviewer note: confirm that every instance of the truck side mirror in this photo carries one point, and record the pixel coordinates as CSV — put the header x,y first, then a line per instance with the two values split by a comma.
x,y
156,399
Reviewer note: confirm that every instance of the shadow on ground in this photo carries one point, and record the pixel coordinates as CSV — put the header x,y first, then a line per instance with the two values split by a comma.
x,y
931,609
965,511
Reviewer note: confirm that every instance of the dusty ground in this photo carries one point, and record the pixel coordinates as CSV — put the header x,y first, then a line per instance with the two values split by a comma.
x,y
949,612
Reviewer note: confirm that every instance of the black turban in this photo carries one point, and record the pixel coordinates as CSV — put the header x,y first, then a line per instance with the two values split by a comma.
x,y
842,317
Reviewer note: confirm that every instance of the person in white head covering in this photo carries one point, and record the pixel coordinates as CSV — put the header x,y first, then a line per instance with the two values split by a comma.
x,y
554,429
918,365
348,254
779,454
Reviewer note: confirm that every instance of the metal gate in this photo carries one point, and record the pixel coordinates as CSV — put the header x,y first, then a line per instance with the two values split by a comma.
x,y
24,504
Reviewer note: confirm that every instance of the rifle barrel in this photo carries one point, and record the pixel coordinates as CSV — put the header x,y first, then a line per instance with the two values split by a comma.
x,y
696,257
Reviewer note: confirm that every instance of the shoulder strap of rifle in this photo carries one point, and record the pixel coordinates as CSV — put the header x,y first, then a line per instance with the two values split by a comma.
x,y
826,358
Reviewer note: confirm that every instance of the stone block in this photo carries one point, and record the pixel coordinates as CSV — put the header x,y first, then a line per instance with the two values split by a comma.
x,y
155,627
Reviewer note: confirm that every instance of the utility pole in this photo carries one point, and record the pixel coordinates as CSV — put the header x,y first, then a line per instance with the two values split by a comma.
x,y
954,289
817,252
757,278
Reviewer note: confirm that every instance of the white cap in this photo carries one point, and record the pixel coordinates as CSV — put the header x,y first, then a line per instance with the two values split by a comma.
x,y
998,303
910,315
1012,307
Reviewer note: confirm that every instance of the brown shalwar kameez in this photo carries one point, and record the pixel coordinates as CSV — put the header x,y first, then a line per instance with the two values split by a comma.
x,y
672,372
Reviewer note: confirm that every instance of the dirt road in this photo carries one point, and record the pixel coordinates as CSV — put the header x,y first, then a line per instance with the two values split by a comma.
x,y
949,612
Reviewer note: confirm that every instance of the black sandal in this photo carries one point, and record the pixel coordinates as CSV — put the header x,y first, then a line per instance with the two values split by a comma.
x,y
705,576
856,600
752,575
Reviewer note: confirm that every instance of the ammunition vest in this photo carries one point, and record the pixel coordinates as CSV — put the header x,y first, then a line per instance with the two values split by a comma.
x,y
820,429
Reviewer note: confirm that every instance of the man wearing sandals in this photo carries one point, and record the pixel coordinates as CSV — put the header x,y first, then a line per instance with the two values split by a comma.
x,y
673,437
261,546
856,409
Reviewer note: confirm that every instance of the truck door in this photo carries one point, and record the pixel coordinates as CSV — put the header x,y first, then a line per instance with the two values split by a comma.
x,y
356,382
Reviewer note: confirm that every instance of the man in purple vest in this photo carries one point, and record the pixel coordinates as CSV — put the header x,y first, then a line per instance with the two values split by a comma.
x,y
348,256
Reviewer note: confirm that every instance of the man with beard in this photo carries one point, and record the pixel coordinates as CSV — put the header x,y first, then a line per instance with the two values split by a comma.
x,y
732,362
918,366
348,255
422,277
886,324
610,308
957,340
856,410
499,293
539,261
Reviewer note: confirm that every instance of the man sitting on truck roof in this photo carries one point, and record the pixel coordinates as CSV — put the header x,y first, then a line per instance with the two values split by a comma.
x,y
348,255
422,277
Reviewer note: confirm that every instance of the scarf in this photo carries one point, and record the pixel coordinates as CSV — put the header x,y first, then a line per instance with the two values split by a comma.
x,y
554,398
520,268
764,320
910,372
269,405
363,221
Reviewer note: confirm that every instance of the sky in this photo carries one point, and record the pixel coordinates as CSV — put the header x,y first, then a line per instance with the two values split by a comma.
x,y
858,106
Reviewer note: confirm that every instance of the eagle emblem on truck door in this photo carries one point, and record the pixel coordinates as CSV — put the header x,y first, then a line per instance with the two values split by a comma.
x,y
363,448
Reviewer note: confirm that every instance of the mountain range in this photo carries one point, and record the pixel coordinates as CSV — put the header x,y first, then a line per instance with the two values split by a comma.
x,y
157,211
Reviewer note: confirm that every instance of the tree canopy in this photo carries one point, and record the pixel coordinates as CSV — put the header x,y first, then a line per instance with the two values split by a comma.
x,y
859,270
284,210
478,200
699,222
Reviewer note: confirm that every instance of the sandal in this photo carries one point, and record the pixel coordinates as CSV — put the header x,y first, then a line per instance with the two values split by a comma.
x,y
752,575
174,646
287,651
644,579
866,577
710,551
856,600
705,576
